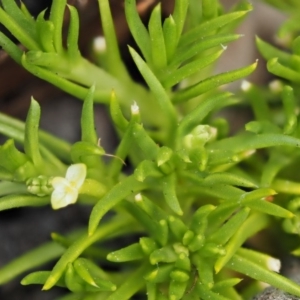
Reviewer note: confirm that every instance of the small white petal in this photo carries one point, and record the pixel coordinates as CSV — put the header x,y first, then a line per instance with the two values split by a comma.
x,y
223,47
274,264
66,189
58,181
135,108
276,86
246,85
63,195
76,175
99,44
138,197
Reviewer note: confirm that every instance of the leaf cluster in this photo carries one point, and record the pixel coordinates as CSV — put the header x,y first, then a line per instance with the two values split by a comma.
x,y
195,194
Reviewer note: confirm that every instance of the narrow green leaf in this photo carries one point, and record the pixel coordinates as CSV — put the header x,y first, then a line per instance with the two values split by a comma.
x,y
189,69
296,45
57,18
164,155
93,268
40,277
209,26
51,61
82,271
114,62
177,289
220,214
220,191
258,272
131,285
170,37
205,271
197,242
250,141
103,285
261,127
209,9
18,31
150,208
178,228
18,16
10,157
5,175
15,201
252,225
11,48
185,53
286,186
212,82
157,89
183,262
222,235
268,52
194,118
114,227
138,29
120,191
257,194
199,218
223,284
278,69
147,145
269,208
163,255
169,192
179,14
146,169
15,129
116,113
73,33
159,274
125,146
212,250
275,163
10,187
26,12
73,281
31,139
66,85
151,289
229,178
290,109
158,49
157,230
257,100
45,30
129,253
148,245
262,259
88,131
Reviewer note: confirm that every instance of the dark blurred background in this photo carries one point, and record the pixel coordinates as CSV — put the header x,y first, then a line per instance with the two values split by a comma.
x,y
23,229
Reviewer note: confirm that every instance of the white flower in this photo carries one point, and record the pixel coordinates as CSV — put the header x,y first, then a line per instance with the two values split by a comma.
x,y
66,189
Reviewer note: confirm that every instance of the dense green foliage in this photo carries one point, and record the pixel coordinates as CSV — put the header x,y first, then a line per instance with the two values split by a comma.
x,y
196,194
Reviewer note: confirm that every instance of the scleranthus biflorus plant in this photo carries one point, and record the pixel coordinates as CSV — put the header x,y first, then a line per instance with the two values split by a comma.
x,y
194,195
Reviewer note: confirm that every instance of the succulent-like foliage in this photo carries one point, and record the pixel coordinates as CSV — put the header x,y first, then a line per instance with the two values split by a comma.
x,y
195,195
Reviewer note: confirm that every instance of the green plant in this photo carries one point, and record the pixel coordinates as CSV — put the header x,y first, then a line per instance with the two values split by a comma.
x,y
195,195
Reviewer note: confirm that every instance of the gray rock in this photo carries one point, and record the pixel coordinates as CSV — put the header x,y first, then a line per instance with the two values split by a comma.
x,y
291,269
